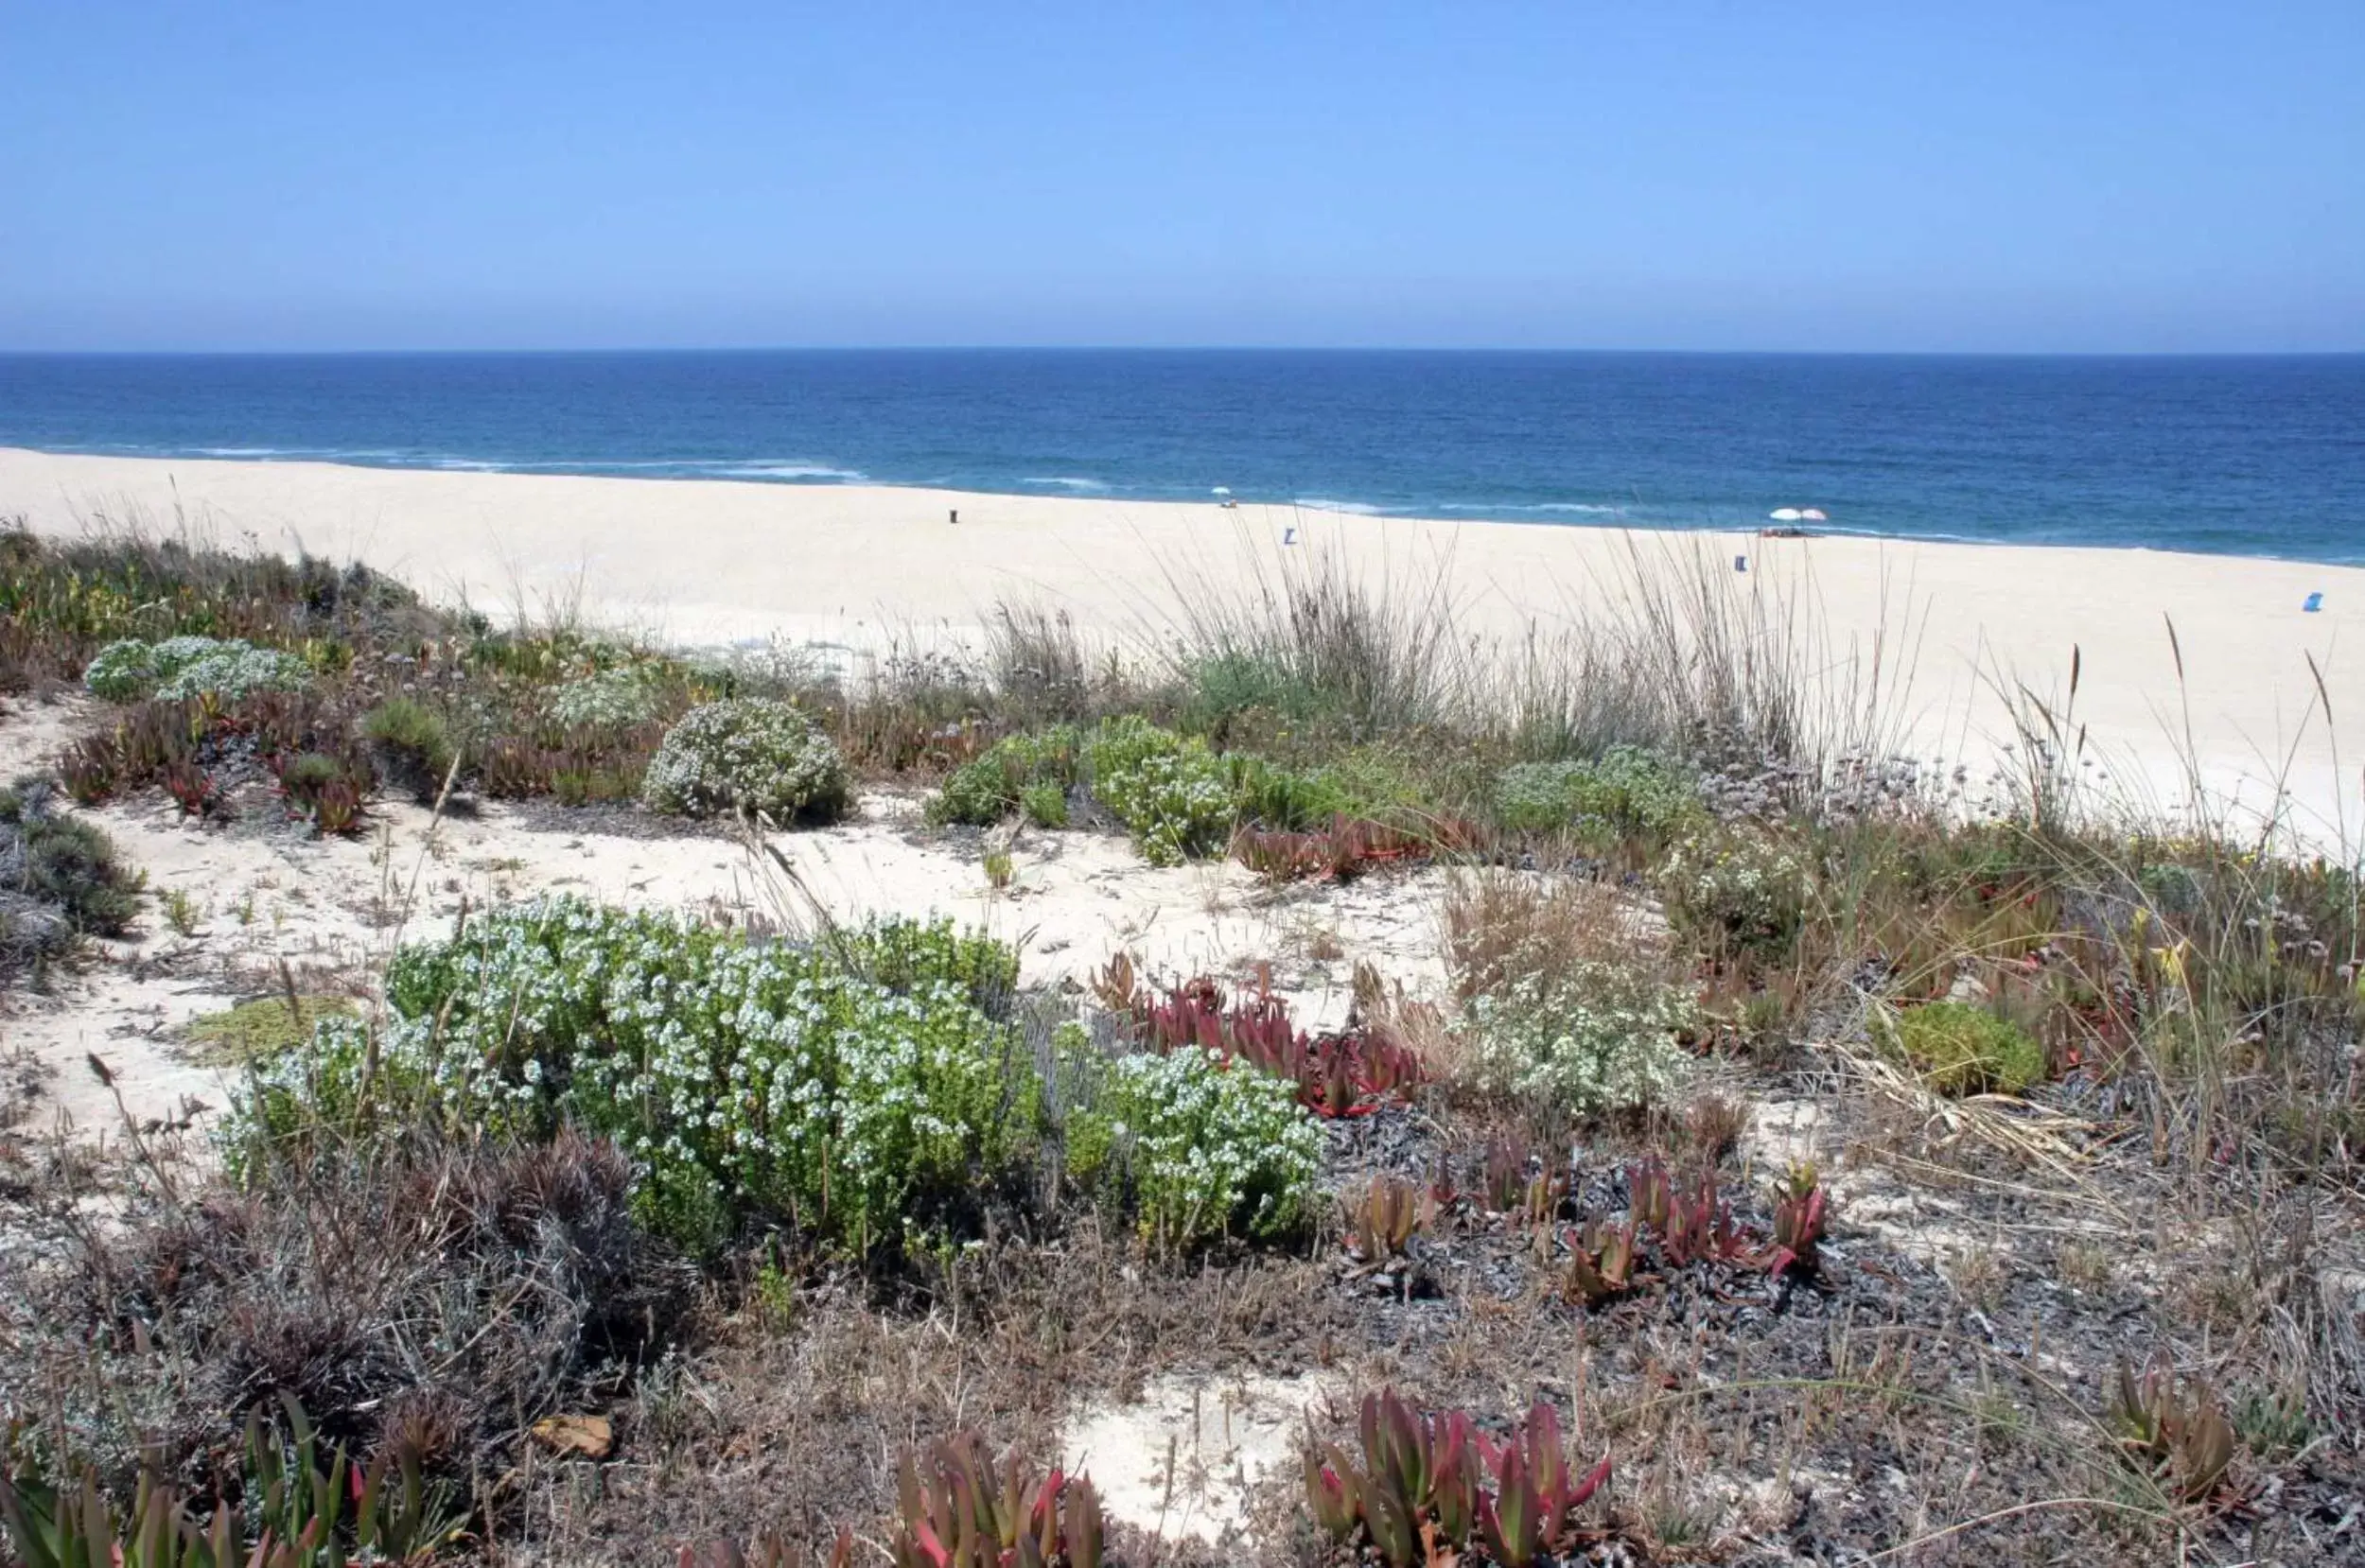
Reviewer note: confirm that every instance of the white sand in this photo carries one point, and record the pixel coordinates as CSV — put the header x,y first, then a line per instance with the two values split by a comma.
x,y
712,561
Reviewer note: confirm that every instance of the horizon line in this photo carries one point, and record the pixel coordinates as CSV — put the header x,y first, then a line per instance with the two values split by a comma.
x,y
382,352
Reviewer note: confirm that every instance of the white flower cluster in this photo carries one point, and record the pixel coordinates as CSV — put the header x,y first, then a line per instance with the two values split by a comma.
x,y
1742,882
608,700
742,1081
1171,792
1212,1149
1596,1036
186,669
745,753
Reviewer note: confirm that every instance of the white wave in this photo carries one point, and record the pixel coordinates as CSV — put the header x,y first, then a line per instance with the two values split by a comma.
x,y
1579,507
1324,503
1066,481
778,471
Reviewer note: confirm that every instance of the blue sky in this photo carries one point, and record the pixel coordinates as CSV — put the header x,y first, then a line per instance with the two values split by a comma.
x,y
2004,177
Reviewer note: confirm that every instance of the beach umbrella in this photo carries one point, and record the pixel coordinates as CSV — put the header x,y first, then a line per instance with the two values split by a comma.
x,y
1813,515
1785,514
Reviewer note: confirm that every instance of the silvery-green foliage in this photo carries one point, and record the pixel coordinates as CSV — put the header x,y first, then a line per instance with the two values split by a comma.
x,y
609,699
745,754
184,668
748,1084
1209,1149
1625,791
122,671
1593,1037
231,673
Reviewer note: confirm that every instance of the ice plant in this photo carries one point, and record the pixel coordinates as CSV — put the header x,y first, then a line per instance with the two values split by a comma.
x,y
2175,1428
1385,1217
1428,1485
1601,1261
961,1509
1799,1204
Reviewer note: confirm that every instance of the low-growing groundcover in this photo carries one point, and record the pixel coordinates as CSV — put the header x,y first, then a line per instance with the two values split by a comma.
x,y
184,668
870,1088
1959,1049
60,880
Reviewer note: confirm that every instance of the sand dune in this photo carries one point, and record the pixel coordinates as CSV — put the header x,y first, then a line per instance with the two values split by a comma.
x,y
709,560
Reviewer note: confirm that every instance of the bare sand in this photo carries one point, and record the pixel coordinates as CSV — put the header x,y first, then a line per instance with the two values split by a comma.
x,y
715,561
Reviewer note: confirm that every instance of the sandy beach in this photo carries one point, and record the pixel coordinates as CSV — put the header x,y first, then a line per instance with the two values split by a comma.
x,y
714,560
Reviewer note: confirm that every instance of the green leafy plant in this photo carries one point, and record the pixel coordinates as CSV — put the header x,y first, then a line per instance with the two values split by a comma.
x,y
746,753
1625,793
1044,805
1961,1049
1016,770
411,744
1741,889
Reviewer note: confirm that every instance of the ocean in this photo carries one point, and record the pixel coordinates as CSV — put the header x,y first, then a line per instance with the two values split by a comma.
x,y
2251,456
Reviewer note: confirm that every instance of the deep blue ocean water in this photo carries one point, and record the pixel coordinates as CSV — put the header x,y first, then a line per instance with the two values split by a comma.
x,y
2247,455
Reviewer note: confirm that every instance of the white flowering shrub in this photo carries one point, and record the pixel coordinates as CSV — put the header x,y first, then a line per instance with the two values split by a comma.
x,y
1172,793
1594,1037
749,1084
122,671
1742,886
1206,1149
745,753
610,700
186,669
232,673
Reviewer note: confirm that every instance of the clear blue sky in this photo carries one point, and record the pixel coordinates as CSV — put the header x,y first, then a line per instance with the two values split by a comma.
x,y
2172,175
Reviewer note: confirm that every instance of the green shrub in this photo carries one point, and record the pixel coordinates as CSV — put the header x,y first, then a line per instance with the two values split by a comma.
x,y
1044,805
1203,1150
305,774
989,788
749,1084
1223,686
64,862
745,754
1625,793
1285,797
411,745
1743,888
608,700
1171,792
1959,1049
1593,1037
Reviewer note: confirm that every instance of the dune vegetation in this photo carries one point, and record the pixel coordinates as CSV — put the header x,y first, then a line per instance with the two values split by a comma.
x,y
1808,1158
